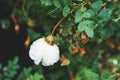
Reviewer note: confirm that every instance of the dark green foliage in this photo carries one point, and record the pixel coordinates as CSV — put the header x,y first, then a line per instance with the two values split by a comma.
x,y
33,35
66,11
27,74
106,75
86,74
97,5
10,70
105,14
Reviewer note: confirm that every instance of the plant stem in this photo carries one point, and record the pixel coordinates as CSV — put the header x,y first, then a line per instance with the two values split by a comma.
x,y
58,23
115,75
24,11
70,74
14,19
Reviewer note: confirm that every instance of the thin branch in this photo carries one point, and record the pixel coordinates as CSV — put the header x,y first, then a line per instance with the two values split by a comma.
x,y
70,74
23,9
115,75
14,19
57,25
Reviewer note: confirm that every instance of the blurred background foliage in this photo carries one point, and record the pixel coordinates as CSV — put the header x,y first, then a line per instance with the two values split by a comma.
x,y
88,37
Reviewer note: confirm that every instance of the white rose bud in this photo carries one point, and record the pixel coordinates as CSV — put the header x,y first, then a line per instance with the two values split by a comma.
x,y
42,51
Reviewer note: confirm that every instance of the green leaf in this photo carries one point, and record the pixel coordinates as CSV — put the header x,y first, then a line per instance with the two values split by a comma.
x,y
86,26
89,22
16,59
111,78
86,15
56,3
105,14
105,74
67,2
55,12
11,70
89,75
78,16
83,9
80,0
80,13
78,77
89,31
81,26
86,74
91,12
46,2
105,33
97,5
38,76
27,71
66,10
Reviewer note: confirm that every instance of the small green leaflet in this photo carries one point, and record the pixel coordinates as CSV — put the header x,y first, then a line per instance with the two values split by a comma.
x,y
66,11
55,12
81,26
86,15
106,33
83,9
86,74
80,0
46,2
86,26
56,3
89,31
79,14
105,14
91,12
97,5
106,75
89,75
67,2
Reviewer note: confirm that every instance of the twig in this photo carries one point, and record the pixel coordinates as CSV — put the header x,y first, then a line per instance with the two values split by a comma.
x,y
14,19
57,25
23,9
70,74
115,75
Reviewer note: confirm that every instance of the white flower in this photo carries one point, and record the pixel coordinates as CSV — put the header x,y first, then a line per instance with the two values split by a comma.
x,y
115,62
41,51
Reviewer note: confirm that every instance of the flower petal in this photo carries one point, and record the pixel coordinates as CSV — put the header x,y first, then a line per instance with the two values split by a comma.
x,y
41,51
